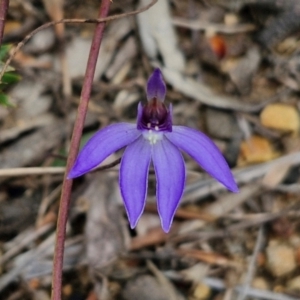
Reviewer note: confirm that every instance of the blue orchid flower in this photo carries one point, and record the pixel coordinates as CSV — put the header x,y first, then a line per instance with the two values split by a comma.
x,y
154,139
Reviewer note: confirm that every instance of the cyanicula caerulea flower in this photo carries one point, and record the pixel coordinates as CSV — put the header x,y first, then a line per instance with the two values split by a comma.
x,y
154,139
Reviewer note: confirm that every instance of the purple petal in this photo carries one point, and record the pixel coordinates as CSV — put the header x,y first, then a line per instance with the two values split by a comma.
x,y
139,118
205,152
156,87
134,178
101,145
170,176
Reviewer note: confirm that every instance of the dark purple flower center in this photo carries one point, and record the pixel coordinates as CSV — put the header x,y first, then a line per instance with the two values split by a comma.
x,y
155,116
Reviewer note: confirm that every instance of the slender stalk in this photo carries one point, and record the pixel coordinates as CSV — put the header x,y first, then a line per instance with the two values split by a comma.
x,y
74,146
15,172
27,171
3,11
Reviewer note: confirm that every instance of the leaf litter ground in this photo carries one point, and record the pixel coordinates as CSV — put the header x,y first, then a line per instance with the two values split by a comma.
x,y
232,72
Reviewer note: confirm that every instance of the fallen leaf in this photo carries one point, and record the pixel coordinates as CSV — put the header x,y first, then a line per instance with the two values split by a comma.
x,y
280,259
207,257
217,44
25,60
276,175
201,292
256,150
281,117
11,26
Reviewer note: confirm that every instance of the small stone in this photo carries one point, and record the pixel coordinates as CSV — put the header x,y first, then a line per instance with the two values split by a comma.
x,y
293,285
280,116
297,255
67,290
256,150
221,124
278,288
231,19
144,287
201,292
261,259
280,259
288,46
34,283
294,240
260,283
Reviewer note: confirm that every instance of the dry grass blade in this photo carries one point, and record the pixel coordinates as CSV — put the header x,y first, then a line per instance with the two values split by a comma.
x,y
255,220
26,240
55,10
213,27
164,281
16,172
207,257
227,203
252,265
243,175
